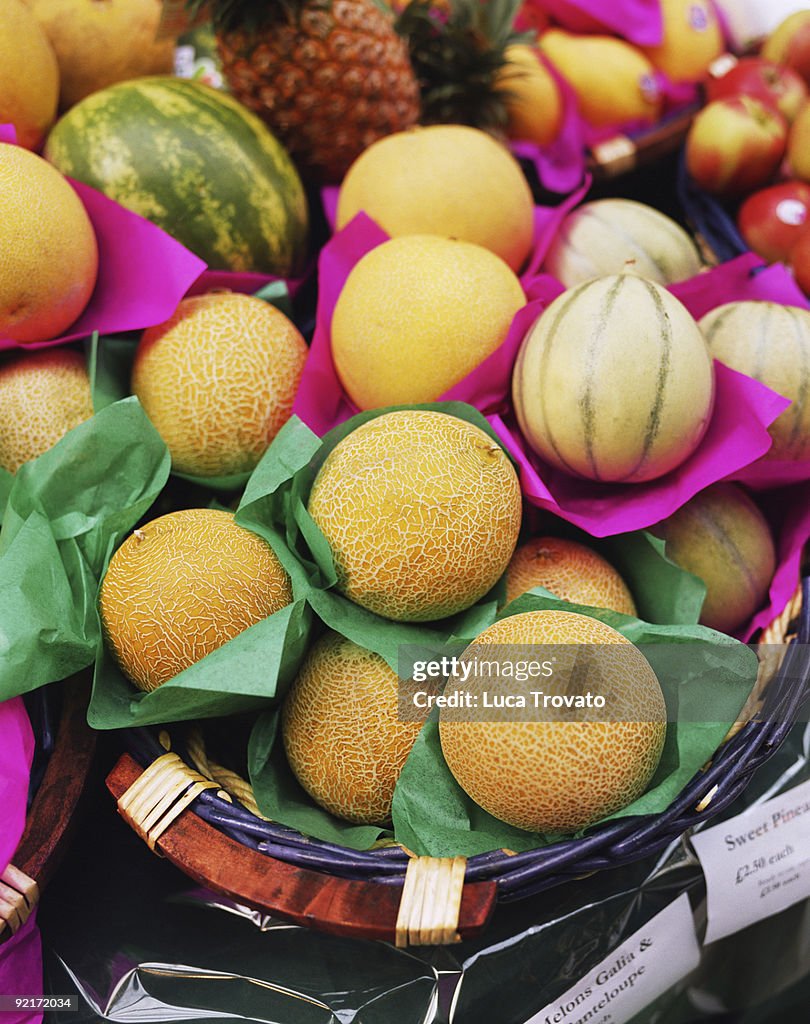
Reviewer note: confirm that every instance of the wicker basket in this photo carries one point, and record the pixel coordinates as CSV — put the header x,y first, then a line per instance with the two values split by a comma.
x,y
64,754
203,817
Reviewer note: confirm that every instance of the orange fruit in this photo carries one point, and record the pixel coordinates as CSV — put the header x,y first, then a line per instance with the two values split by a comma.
x,y
533,102
570,571
416,315
445,179
342,733
218,380
557,770
48,251
183,585
99,44
43,395
421,511
29,75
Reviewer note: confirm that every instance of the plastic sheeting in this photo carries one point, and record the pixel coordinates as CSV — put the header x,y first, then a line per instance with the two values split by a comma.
x,y
139,943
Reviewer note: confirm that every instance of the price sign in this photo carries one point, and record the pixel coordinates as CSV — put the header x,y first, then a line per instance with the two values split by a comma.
x,y
635,974
756,864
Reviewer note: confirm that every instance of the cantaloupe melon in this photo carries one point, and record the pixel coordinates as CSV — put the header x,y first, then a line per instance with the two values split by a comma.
x,y
722,537
557,770
609,236
614,382
770,342
183,585
416,315
342,731
422,513
218,380
43,395
568,570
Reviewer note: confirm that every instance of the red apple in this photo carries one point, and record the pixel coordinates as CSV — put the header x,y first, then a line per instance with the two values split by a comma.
x,y
735,145
770,83
772,220
800,261
789,44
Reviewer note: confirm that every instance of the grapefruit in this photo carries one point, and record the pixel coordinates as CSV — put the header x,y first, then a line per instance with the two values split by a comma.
x,y
342,733
422,513
444,179
416,315
557,770
218,381
723,538
48,250
43,395
183,585
29,75
100,43
570,571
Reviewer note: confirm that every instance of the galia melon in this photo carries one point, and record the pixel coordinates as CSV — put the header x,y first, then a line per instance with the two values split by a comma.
x,y
422,513
771,343
218,381
558,770
614,382
183,585
609,236
342,731
416,315
43,395
570,571
722,537
444,179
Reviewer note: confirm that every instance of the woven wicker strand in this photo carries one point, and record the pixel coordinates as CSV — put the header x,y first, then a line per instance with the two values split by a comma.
x,y
19,894
431,901
230,782
160,795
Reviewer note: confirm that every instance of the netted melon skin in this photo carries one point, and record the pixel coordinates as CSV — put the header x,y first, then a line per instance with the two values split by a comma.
x,y
558,776
342,734
570,571
421,511
183,585
43,395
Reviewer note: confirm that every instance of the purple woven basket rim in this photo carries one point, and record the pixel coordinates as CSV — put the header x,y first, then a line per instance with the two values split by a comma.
x,y
523,874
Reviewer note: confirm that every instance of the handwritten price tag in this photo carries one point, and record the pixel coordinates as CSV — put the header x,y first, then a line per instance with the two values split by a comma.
x,y
635,974
757,863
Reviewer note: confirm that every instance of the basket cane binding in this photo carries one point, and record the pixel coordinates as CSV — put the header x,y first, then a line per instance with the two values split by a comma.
x,y
390,893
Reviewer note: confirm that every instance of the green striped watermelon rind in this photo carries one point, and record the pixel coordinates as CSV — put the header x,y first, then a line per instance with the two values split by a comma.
x,y
196,163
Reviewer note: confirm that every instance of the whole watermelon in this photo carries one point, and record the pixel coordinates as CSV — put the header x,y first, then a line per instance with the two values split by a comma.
x,y
196,163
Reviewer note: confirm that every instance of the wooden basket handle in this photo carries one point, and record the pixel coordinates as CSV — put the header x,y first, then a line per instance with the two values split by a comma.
x,y
358,909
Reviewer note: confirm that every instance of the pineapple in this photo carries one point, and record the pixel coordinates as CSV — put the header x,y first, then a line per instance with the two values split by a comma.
x,y
329,77
458,51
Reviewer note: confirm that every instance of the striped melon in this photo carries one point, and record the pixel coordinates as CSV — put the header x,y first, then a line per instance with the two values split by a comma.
x,y
771,343
196,163
722,537
609,236
614,382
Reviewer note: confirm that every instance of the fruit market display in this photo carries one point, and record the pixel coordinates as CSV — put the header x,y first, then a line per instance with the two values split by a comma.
x,y
387,392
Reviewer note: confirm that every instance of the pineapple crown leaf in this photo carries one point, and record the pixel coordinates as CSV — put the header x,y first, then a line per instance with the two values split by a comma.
x,y
457,55
250,15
